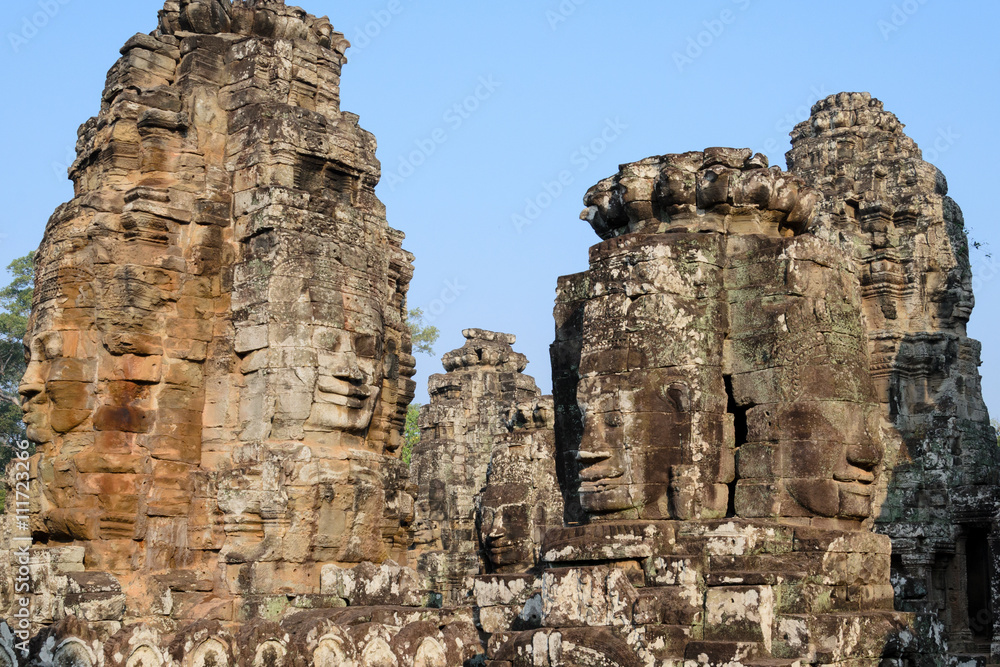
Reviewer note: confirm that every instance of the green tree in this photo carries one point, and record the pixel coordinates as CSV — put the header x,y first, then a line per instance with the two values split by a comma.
x,y
411,433
424,336
15,306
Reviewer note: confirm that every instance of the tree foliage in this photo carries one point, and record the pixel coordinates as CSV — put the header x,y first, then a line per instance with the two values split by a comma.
x,y
411,433
424,336
15,306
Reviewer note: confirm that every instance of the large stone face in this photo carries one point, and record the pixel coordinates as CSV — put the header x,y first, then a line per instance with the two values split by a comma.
x,y
521,500
711,328
219,368
889,211
765,446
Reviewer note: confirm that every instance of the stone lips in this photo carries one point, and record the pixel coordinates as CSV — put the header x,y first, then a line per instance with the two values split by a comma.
x,y
766,434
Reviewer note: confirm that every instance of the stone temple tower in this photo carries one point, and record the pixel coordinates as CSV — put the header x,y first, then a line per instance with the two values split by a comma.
x,y
219,364
889,210
765,445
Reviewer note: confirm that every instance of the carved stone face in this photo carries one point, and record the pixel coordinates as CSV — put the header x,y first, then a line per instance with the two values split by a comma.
x,y
40,351
506,528
55,400
631,458
347,388
507,513
426,532
609,474
696,346
812,459
650,361
58,387
626,454
959,293
813,444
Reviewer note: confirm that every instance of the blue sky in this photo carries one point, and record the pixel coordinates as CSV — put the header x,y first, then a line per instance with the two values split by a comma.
x,y
493,119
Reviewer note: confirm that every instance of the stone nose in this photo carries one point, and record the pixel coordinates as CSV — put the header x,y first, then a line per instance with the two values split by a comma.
x,y
348,371
352,374
865,456
33,374
861,461
29,390
496,529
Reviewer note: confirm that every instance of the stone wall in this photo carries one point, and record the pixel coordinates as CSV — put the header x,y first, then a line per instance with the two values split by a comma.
x,y
766,443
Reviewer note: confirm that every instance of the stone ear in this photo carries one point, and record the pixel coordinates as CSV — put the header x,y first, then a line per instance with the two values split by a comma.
x,y
679,395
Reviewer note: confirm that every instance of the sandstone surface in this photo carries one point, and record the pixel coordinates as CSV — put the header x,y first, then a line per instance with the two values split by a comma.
x,y
765,445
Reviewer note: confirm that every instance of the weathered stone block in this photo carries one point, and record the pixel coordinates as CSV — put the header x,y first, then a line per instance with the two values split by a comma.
x,y
586,596
370,585
669,605
739,614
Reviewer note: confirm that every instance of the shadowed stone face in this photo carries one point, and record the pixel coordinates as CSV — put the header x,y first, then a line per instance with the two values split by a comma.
x,y
506,525
651,379
722,360
626,456
506,521
521,501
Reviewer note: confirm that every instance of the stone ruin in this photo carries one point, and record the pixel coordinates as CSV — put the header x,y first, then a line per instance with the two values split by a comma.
x,y
765,445
487,432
